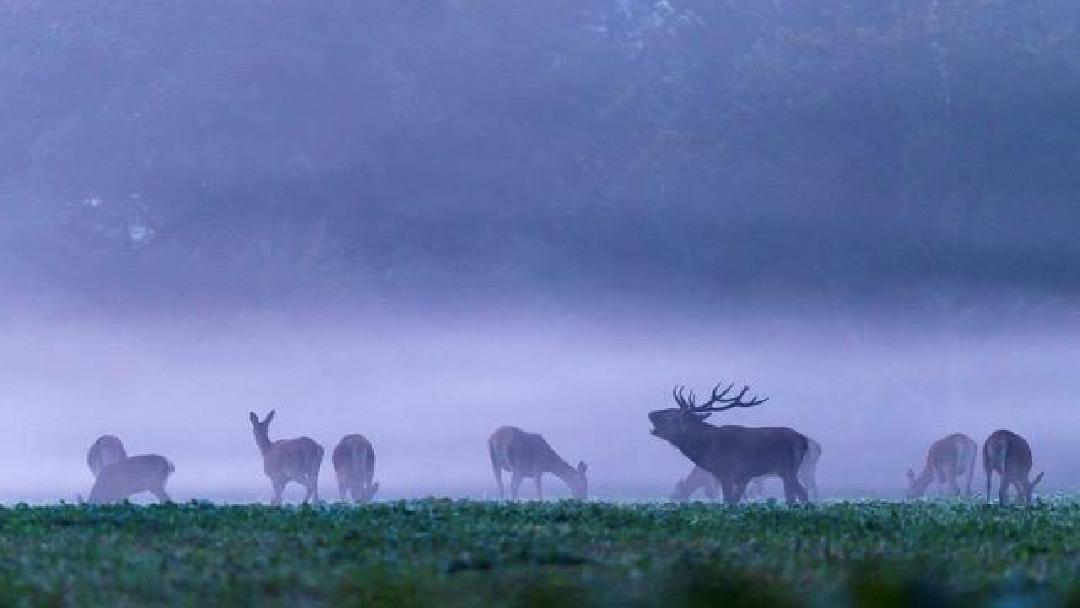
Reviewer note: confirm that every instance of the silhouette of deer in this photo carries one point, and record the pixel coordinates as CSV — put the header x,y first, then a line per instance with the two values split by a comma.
x,y
529,455
1009,455
733,454
354,465
288,460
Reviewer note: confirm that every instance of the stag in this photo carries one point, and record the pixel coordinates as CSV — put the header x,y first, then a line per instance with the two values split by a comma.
x,y
733,454
700,478
949,457
288,460
106,450
354,464
122,479
1009,455
529,455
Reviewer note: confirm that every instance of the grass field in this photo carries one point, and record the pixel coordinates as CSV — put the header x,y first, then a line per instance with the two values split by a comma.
x,y
453,553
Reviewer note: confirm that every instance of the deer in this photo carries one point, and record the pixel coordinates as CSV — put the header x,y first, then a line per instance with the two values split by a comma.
x,y
288,460
733,454
529,455
948,458
106,450
1009,455
124,478
354,465
699,478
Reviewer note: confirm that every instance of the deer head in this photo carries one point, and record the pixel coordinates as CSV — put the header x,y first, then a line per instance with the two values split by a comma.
x,y
261,429
1029,488
673,423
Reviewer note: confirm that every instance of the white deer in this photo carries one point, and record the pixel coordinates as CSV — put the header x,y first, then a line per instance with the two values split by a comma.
x,y
106,450
288,460
122,479
354,465
950,457
529,455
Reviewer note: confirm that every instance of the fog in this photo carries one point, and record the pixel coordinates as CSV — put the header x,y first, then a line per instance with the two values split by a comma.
x,y
422,220
428,392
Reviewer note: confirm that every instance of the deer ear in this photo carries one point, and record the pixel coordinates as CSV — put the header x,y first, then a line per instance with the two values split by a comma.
x,y
254,419
270,416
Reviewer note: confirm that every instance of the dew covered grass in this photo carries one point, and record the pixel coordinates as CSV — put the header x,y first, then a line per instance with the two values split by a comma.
x,y
463,553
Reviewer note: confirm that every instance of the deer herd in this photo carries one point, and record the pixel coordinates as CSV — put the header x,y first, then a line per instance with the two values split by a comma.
x,y
730,460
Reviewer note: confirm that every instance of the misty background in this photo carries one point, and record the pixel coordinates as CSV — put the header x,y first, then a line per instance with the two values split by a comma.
x,y
421,219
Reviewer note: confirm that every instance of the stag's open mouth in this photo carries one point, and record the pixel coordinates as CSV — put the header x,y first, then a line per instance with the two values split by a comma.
x,y
655,430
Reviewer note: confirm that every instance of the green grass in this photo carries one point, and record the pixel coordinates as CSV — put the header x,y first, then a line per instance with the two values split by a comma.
x,y
453,553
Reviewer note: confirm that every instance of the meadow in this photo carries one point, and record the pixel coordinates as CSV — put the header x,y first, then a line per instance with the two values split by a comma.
x,y
464,553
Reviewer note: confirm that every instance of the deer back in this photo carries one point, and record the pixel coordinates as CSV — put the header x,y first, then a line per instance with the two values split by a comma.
x,y
1007,453
944,454
354,459
293,458
530,454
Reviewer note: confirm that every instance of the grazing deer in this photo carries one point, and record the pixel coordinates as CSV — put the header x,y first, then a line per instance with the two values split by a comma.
x,y
1007,454
700,478
733,454
120,480
288,460
529,455
949,457
354,464
106,450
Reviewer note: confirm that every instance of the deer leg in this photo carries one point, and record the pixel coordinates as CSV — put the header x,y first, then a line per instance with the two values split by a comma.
x,y
498,480
1003,493
515,485
989,478
727,488
740,490
789,491
311,484
1022,495
279,487
539,493
810,484
793,490
496,469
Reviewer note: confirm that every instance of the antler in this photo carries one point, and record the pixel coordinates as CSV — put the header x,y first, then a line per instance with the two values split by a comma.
x,y
687,402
